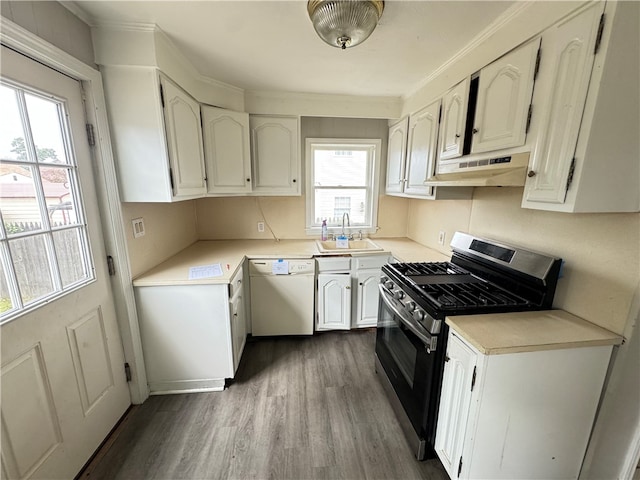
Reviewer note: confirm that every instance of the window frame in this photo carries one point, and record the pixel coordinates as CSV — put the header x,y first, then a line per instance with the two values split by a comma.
x,y
374,148
47,229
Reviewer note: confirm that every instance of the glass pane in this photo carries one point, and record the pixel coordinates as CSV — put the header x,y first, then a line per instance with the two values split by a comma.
x,y
12,145
334,168
68,244
5,297
18,201
31,262
331,204
46,129
61,207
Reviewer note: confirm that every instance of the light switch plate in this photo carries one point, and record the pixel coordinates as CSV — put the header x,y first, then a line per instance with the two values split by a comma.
x,y
138,227
260,227
441,236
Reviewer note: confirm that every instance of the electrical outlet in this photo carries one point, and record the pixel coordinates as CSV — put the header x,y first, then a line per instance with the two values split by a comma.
x,y
260,227
138,227
441,236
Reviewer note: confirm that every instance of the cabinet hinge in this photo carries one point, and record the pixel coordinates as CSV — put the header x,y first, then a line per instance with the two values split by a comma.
x,y
91,136
572,169
161,96
473,378
127,372
526,130
599,36
171,178
460,467
111,267
537,68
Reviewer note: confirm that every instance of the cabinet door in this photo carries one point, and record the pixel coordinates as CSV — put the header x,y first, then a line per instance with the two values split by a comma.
x,y
275,155
396,154
568,59
226,150
504,97
421,152
184,140
334,302
238,329
454,117
367,298
455,402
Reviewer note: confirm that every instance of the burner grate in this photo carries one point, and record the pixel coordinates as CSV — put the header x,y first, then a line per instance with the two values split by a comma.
x,y
470,295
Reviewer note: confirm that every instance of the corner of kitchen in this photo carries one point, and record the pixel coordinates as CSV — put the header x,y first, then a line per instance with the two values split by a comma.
x,y
440,283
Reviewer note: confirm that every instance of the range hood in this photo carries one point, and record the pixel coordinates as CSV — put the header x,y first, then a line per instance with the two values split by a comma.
x,y
504,171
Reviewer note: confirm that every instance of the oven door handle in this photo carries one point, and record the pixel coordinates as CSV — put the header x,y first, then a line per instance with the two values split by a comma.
x,y
428,340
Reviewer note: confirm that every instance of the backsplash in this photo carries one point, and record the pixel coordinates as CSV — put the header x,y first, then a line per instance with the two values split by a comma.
x,y
601,253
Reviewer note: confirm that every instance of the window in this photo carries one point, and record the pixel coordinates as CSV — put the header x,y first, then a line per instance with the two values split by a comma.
x,y
43,240
342,178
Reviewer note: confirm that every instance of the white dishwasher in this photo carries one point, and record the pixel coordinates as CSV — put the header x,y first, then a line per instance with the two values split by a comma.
x,y
282,296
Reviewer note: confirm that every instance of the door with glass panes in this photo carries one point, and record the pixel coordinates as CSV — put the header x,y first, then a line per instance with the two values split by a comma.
x,y
63,383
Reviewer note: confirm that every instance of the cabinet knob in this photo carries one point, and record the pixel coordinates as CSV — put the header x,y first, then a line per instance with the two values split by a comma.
x,y
531,174
457,135
446,358
248,179
348,287
475,130
294,180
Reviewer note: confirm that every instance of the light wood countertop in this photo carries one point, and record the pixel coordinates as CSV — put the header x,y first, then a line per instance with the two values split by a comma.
x,y
500,333
231,253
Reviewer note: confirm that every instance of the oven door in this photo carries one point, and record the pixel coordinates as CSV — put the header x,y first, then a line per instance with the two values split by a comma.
x,y
412,364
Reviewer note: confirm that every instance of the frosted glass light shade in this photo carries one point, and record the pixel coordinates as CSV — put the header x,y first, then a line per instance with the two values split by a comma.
x,y
344,23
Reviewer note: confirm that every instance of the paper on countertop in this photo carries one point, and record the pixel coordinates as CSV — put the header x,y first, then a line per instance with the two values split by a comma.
x,y
281,267
205,271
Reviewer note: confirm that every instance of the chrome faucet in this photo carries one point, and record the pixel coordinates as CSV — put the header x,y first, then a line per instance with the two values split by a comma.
x,y
345,214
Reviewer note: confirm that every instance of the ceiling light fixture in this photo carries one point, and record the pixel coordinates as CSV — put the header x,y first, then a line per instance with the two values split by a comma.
x,y
344,23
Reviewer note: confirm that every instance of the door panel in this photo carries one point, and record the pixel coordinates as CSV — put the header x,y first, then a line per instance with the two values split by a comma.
x,y
63,383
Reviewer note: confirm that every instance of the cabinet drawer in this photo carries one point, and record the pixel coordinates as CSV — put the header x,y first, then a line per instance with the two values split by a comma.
x,y
376,261
333,264
235,285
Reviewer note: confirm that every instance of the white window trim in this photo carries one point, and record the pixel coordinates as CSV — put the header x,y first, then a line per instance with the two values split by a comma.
x,y
374,179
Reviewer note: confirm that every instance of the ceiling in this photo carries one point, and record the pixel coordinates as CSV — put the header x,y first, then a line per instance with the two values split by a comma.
x,y
271,45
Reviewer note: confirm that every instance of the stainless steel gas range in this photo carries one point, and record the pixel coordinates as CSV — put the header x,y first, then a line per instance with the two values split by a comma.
x,y
483,276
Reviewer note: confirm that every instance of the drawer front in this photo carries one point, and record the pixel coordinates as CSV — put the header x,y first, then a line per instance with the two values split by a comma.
x,y
376,261
333,264
235,285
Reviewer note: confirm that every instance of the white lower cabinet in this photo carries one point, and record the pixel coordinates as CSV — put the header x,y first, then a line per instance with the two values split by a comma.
x,y
334,301
341,307
517,415
192,335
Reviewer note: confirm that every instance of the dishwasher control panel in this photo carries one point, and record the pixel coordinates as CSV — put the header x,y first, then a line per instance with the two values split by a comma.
x,y
282,266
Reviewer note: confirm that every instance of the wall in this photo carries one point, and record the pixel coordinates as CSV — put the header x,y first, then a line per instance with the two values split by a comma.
x,y
53,23
169,228
236,217
601,253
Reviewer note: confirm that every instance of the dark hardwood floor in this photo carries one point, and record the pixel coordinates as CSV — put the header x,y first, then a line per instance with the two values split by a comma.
x,y
300,408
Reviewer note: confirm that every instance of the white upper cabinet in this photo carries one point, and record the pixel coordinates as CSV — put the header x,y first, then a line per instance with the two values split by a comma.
x,y
504,98
226,150
184,140
396,155
454,117
586,155
422,148
275,151
158,149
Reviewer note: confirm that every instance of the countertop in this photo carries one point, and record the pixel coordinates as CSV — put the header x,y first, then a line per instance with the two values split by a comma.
x,y
500,333
231,253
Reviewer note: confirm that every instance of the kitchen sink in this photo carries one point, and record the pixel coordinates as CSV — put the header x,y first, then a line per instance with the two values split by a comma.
x,y
364,245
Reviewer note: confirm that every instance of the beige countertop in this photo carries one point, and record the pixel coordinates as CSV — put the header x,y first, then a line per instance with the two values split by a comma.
x,y
231,253
499,333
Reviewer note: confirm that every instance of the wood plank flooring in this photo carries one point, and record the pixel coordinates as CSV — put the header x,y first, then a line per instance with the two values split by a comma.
x,y
300,408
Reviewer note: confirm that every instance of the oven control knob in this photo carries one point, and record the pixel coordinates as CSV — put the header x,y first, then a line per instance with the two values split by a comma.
x,y
388,285
398,294
411,306
384,280
418,314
